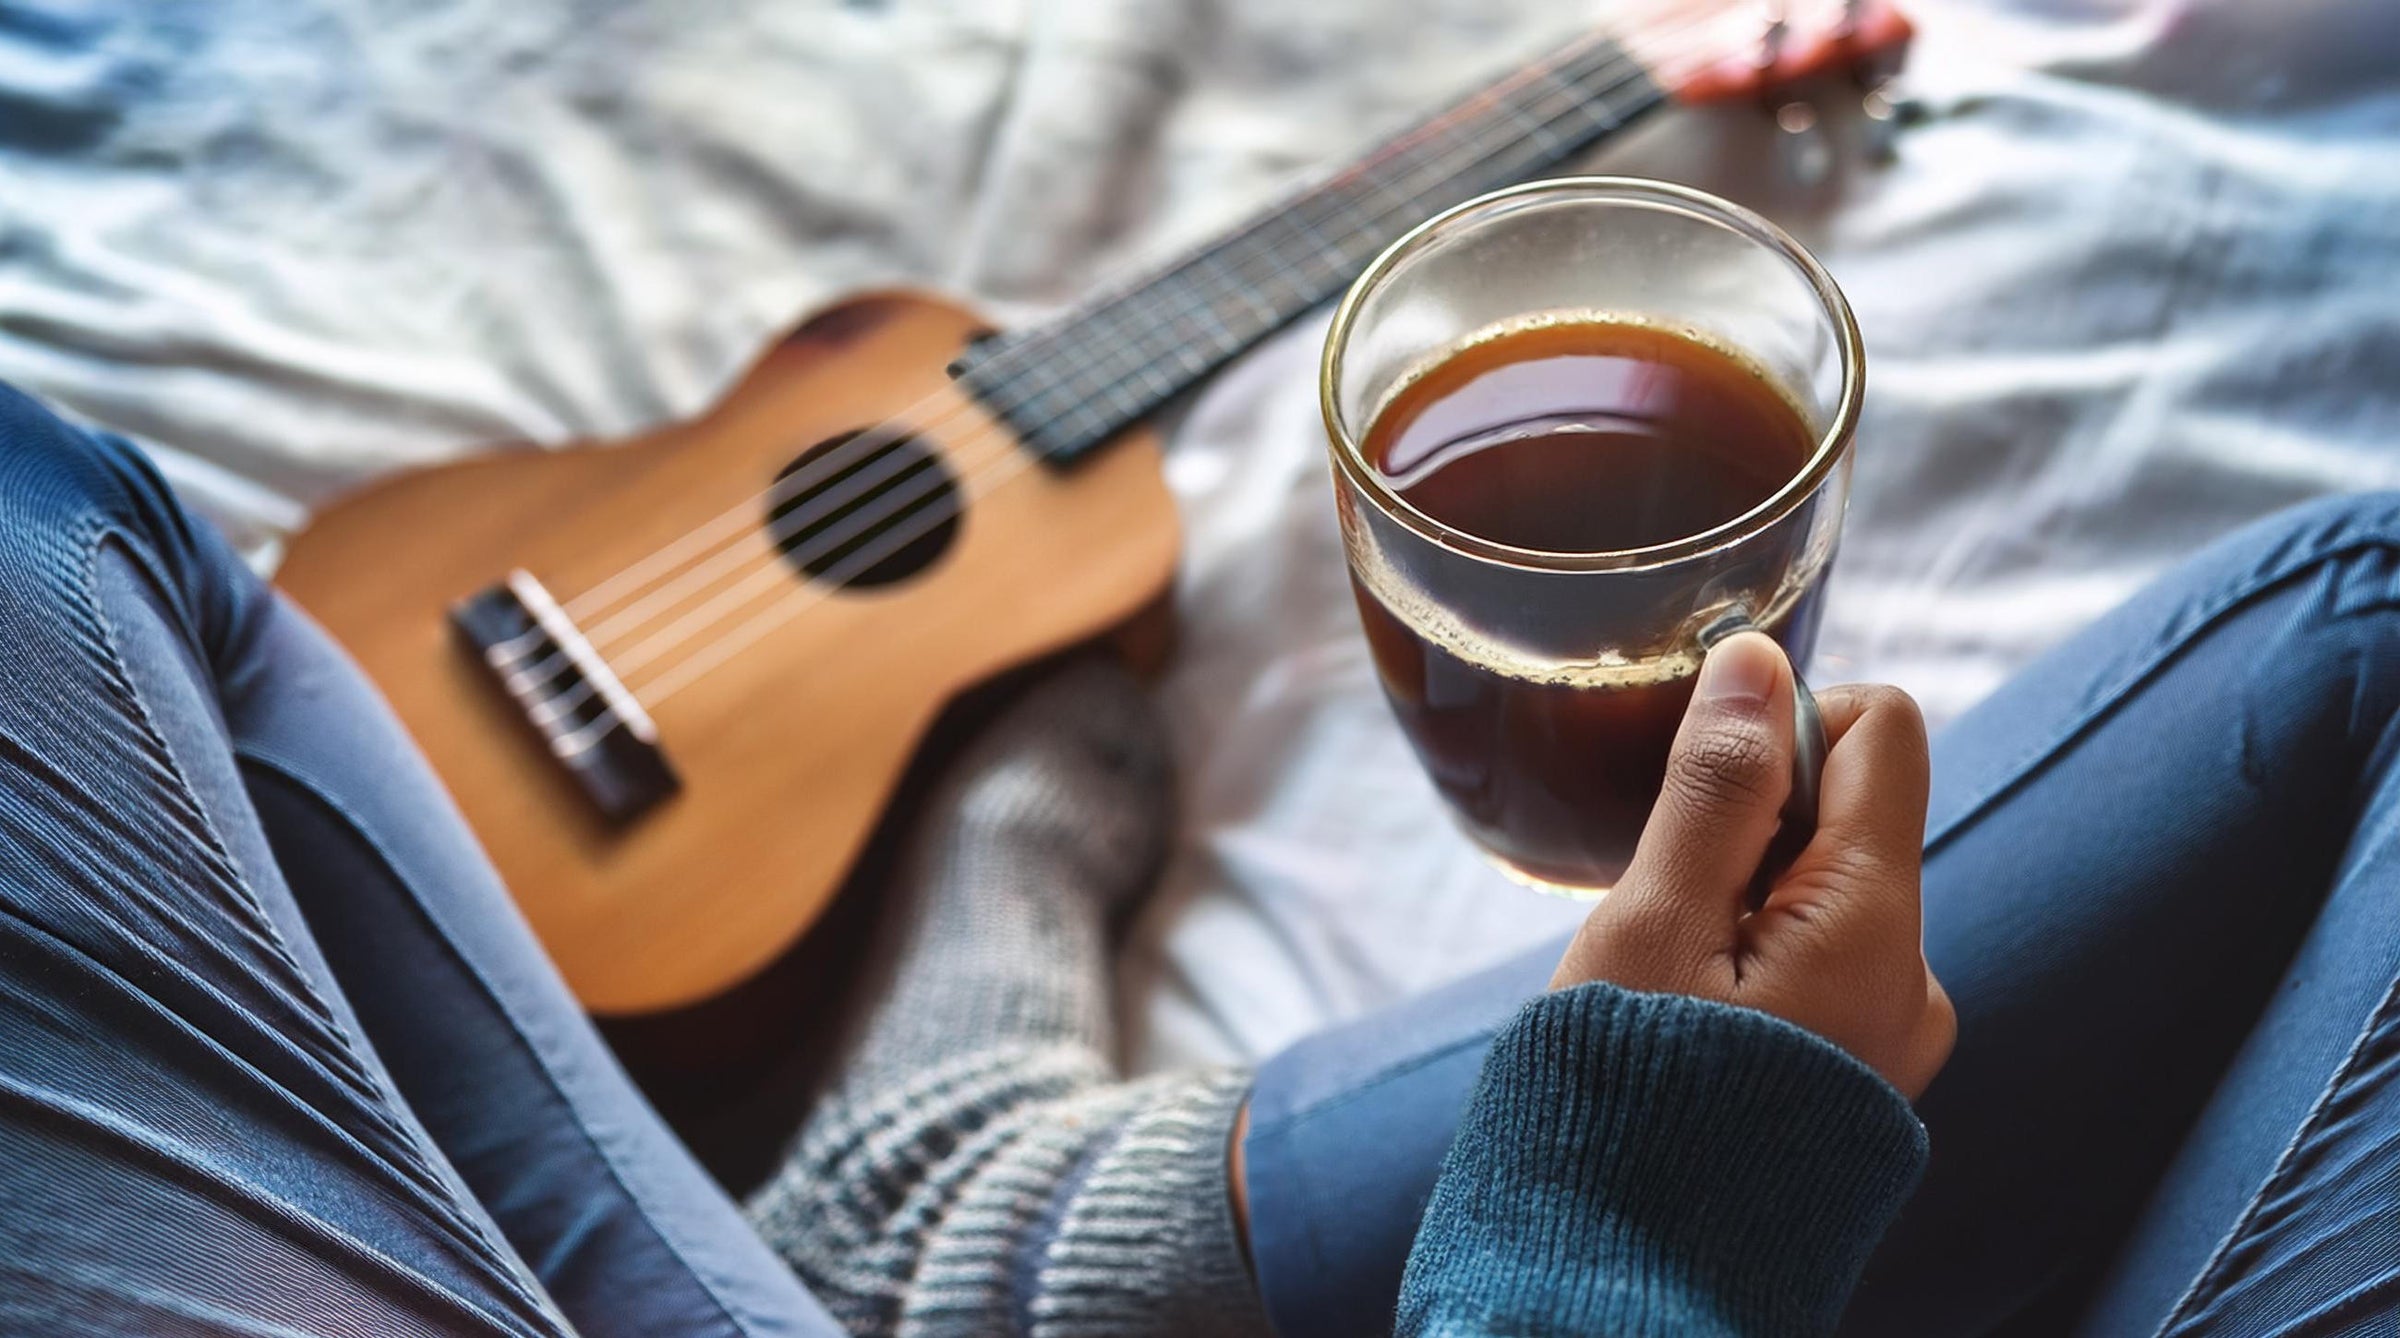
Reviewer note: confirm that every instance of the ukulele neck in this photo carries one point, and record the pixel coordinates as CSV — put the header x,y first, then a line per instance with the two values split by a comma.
x,y
1067,386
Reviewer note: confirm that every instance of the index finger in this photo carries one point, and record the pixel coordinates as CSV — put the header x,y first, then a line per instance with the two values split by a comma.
x,y
1872,795
1841,705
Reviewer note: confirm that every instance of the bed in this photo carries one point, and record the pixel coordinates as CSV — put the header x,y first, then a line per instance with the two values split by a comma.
x,y
2134,280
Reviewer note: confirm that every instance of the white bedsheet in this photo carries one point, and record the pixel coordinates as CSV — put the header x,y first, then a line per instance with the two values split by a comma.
x,y
2136,281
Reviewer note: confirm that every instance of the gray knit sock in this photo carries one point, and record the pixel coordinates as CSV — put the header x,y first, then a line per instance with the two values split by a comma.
x,y
981,1168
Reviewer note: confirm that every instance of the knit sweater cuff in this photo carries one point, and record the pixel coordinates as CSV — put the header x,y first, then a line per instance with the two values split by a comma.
x,y
1639,1163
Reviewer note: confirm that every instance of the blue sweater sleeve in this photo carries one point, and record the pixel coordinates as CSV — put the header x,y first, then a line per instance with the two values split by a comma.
x,y
1648,1164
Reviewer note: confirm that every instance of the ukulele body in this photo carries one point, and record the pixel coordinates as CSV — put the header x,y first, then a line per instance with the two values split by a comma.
x,y
787,748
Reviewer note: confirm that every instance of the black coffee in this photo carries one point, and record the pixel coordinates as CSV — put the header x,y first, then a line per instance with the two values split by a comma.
x,y
1577,437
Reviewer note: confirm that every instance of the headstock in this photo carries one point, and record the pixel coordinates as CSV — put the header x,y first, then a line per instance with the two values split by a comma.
x,y
1784,44
1719,51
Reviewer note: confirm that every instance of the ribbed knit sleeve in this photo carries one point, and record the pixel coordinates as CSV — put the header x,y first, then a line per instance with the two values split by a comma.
x,y
1647,1164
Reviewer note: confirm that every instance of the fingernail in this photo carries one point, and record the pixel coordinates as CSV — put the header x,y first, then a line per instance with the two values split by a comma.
x,y
1739,671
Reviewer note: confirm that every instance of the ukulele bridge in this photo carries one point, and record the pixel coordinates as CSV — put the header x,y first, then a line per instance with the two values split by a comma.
x,y
568,694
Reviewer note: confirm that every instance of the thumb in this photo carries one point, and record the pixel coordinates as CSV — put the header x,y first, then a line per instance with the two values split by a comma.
x,y
1727,776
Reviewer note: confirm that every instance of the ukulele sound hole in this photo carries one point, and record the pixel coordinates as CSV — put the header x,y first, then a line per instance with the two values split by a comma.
x,y
860,510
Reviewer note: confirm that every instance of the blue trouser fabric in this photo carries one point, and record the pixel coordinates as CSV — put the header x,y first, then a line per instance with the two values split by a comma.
x,y
277,1056
2161,885
276,1053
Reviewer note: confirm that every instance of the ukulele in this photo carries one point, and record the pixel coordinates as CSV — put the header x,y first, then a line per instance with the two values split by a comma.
x,y
672,682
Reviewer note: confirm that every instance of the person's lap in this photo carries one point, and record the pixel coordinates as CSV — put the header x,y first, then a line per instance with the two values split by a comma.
x,y
275,1053
2158,889
268,1029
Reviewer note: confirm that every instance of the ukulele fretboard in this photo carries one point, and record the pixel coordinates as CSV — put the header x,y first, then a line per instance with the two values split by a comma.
x,y
1068,385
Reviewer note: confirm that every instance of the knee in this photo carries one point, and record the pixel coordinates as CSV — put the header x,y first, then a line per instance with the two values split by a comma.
x,y
2325,577
84,520
70,496
63,488
2326,525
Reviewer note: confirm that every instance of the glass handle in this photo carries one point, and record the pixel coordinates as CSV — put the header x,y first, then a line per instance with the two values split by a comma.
x,y
1799,816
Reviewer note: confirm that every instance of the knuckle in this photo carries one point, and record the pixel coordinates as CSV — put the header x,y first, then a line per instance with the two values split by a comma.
x,y
1879,697
1892,708
1861,866
1907,716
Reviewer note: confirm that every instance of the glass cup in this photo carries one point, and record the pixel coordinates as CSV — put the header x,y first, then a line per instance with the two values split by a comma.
x,y
1541,689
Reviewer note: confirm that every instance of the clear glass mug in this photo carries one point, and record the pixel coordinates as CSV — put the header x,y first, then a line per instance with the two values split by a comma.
x,y
1541,689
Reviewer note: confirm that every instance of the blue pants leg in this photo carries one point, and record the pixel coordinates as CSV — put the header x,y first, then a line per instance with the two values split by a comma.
x,y
276,1053
2160,885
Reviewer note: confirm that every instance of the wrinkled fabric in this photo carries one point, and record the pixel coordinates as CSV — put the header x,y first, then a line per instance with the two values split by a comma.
x,y
276,1054
2130,285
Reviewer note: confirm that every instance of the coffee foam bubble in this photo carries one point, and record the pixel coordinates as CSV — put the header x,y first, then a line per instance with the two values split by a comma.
x,y
1606,669
1498,654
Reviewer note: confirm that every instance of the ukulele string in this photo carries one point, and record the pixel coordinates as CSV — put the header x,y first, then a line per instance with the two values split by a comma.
x,y
1238,284
714,653
815,511
1640,49
739,518
991,472
1650,48
699,560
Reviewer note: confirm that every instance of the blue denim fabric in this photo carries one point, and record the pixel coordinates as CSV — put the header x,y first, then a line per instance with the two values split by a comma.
x,y
276,1054
2163,888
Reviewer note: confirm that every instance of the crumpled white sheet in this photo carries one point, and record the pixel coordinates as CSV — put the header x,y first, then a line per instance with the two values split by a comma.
x,y
2136,281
